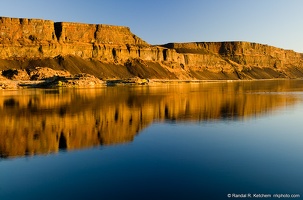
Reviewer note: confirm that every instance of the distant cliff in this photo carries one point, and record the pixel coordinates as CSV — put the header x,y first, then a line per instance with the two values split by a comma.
x,y
114,52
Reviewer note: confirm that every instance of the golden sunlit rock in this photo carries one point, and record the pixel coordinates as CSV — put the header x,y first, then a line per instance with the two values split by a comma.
x,y
114,52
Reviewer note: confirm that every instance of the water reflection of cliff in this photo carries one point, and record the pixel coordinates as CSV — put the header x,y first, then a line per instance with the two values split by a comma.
x,y
44,121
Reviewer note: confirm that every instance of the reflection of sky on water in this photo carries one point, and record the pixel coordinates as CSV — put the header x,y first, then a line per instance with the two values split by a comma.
x,y
194,160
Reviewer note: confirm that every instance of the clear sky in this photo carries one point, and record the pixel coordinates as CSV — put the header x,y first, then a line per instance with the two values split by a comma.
x,y
273,22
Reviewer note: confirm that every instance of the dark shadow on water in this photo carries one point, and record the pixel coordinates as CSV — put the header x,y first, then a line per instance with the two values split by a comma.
x,y
51,91
62,142
11,103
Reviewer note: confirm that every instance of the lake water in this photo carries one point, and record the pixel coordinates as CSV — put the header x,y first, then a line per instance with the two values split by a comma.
x,y
176,141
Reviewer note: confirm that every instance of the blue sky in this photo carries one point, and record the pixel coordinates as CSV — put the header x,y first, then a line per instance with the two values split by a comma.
x,y
273,22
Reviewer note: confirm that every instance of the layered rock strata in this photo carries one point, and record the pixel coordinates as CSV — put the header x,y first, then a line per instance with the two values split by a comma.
x,y
46,78
114,52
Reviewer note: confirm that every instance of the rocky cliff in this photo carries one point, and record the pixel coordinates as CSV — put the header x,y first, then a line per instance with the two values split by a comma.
x,y
114,52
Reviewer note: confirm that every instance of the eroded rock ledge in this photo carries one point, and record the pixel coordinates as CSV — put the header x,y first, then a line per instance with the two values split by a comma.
x,y
44,77
114,52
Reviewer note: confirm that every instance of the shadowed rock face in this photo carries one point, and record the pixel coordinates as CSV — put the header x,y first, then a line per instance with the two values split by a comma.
x,y
45,121
105,50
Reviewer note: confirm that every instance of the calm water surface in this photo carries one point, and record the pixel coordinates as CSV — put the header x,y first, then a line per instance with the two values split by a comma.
x,y
182,141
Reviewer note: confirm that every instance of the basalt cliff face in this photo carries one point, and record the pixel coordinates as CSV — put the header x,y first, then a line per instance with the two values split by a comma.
x,y
113,52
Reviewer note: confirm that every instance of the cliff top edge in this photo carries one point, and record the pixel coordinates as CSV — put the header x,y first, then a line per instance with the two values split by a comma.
x,y
22,20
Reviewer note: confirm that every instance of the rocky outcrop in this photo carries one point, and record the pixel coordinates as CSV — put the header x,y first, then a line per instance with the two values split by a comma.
x,y
43,77
107,51
37,38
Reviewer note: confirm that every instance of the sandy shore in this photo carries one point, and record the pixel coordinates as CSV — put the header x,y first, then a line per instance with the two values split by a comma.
x,y
48,78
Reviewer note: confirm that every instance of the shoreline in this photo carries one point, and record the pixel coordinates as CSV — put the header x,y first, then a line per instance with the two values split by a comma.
x,y
72,82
